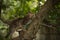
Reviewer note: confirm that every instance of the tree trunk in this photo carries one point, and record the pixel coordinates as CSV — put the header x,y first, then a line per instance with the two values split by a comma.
x,y
36,22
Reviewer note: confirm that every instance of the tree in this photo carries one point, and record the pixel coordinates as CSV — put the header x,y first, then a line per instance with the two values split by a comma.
x,y
36,21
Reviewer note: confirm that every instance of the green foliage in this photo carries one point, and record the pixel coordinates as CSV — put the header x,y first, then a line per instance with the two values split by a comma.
x,y
18,8
54,15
